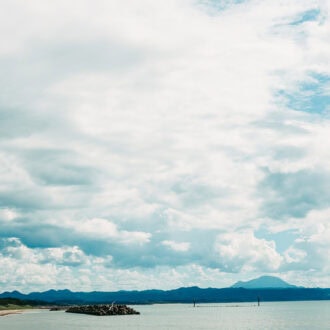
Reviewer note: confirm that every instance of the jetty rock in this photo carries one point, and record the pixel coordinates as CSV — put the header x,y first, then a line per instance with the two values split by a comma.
x,y
102,310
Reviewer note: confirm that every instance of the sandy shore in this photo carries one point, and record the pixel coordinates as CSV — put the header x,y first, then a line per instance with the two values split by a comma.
x,y
10,311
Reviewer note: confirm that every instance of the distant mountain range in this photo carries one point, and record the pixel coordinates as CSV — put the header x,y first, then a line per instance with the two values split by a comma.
x,y
266,287
264,282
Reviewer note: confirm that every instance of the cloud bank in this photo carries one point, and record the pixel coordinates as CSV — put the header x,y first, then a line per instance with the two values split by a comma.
x,y
150,144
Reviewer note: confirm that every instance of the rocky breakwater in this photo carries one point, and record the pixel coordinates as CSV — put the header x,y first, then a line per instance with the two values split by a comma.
x,y
102,310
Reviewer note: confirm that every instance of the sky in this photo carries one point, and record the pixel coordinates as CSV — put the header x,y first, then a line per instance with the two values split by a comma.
x,y
159,144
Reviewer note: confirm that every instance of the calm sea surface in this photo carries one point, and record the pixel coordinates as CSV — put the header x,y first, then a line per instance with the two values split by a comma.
x,y
277,315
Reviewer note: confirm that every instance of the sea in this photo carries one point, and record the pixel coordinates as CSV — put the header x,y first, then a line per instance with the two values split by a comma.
x,y
269,315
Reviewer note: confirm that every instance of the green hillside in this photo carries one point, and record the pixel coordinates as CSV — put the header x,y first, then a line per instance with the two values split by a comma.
x,y
14,303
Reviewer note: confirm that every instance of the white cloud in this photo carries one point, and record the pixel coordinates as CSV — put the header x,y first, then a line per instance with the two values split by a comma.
x,y
124,123
242,251
295,255
311,249
8,214
177,246
105,229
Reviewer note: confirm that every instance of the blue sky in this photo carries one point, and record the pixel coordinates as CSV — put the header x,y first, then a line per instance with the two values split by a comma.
x,y
150,144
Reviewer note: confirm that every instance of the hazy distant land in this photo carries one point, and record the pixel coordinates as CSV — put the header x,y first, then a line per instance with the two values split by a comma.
x,y
266,288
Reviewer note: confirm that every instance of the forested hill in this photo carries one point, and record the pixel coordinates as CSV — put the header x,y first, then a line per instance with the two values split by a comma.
x,y
181,295
15,302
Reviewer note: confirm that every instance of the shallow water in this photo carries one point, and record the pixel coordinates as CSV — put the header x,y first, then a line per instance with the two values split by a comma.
x,y
274,315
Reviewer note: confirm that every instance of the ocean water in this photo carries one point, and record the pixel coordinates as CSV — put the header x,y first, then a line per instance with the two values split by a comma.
x,y
272,315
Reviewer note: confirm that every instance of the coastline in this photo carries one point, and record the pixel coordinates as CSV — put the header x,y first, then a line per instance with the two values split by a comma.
x,y
6,312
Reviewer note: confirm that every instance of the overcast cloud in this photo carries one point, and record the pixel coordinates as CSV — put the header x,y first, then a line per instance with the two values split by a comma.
x,y
158,144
